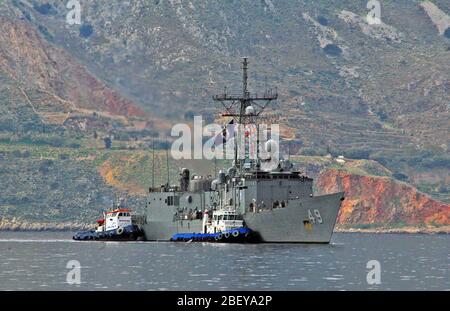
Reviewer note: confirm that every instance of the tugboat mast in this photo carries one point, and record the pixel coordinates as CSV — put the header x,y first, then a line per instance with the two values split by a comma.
x,y
236,109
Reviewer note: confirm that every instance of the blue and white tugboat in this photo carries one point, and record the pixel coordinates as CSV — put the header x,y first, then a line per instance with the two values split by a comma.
x,y
116,225
222,226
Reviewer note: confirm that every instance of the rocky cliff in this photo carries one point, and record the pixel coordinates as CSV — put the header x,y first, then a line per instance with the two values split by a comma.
x,y
382,201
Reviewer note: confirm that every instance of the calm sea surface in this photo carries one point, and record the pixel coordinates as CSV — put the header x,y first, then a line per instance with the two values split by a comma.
x,y
38,261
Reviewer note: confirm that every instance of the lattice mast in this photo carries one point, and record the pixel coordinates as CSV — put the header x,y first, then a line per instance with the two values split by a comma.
x,y
235,107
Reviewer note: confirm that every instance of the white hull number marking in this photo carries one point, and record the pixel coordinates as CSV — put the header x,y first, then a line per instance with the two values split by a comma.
x,y
314,217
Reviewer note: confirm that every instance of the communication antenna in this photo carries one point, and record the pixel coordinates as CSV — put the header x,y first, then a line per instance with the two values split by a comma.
x,y
215,167
167,163
289,150
153,163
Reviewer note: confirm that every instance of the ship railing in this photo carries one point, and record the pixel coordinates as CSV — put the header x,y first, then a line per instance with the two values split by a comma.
x,y
164,188
188,216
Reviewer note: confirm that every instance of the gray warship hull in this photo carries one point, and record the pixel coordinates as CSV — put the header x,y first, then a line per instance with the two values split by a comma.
x,y
310,220
298,223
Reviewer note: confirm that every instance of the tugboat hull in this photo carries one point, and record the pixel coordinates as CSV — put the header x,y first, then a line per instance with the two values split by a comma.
x,y
238,235
128,233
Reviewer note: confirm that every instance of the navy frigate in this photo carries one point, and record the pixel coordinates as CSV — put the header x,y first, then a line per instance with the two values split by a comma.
x,y
275,202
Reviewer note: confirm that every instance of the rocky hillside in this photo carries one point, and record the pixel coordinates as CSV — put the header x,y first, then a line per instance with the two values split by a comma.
x,y
53,187
59,188
375,92
382,201
45,90
179,52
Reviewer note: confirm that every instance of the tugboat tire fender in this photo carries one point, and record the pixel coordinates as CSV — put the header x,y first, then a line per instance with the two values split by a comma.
x,y
119,231
235,233
227,235
219,236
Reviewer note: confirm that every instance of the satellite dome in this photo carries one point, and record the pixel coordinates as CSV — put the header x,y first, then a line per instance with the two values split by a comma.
x,y
249,110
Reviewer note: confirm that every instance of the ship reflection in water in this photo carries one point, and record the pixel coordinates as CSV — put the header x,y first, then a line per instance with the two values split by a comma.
x,y
37,261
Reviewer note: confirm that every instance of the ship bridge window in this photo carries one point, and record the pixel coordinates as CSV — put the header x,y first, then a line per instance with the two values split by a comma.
x,y
232,217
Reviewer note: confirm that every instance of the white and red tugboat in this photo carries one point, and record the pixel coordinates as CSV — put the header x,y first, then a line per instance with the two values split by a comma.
x,y
116,225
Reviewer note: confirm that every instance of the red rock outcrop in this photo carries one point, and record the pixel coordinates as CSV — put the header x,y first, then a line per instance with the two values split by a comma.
x,y
381,200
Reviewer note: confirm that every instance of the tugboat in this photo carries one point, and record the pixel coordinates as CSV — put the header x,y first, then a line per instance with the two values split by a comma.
x,y
223,226
116,225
